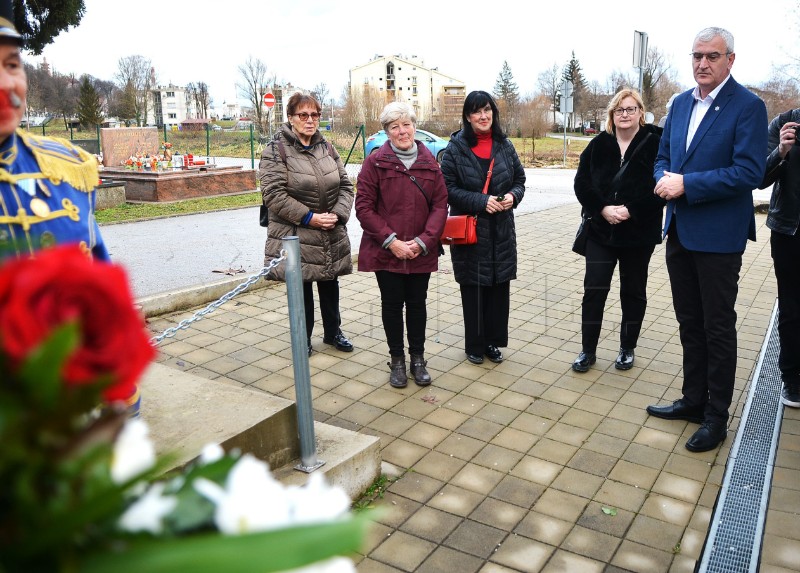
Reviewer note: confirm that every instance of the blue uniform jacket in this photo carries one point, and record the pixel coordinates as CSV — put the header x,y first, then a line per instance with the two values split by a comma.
x,y
47,195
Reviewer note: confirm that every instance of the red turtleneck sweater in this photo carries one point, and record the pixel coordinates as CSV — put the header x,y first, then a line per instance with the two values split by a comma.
x,y
484,147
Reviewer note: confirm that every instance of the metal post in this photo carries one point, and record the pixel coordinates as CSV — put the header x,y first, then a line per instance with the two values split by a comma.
x,y
252,149
302,377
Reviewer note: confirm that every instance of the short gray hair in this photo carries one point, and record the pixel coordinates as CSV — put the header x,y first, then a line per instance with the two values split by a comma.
x,y
396,110
708,34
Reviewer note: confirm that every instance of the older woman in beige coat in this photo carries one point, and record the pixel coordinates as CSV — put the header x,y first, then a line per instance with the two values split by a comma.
x,y
306,189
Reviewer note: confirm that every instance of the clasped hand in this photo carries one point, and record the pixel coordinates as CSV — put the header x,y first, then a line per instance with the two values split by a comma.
x,y
405,249
615,214
495,206
324,221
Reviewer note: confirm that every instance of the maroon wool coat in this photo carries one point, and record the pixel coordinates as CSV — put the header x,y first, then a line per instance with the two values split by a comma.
x,y
388,201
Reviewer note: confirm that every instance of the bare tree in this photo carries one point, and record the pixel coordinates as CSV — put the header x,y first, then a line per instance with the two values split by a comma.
x,y
320,92
199,95
136,72
780,93
595,102
658,81
549,86
253,74
363,106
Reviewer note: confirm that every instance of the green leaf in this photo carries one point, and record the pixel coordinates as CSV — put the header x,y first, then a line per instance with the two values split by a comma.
x,y
609,510
265,552
41,370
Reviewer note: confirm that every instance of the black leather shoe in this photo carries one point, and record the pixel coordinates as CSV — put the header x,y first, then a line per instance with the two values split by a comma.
x,y
493,353
340,342
475,358
708,437
625,359
678,410
583,362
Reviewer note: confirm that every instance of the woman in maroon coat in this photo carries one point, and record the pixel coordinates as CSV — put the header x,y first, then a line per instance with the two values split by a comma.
x,y
401,203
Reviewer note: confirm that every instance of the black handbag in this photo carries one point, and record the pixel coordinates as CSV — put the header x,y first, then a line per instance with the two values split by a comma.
x,y
263,216
579,246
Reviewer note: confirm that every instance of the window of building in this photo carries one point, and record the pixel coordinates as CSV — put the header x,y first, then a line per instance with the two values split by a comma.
x,y
172,116
170,94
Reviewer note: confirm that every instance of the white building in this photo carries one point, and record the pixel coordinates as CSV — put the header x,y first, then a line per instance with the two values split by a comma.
x,y
430,93
170,106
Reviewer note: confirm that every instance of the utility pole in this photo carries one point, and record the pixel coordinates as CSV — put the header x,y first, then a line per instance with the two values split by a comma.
x,y
640,54
565,107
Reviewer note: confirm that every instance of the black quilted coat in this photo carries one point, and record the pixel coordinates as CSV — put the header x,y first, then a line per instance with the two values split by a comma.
x,y
493,259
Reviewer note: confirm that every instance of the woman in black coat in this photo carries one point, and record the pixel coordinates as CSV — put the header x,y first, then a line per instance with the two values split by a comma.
x,y
614,184
484,270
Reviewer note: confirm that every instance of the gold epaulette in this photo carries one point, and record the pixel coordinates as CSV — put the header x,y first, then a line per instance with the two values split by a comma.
x,y
59,161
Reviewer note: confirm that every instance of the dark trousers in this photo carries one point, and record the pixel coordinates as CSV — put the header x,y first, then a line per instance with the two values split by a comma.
x,y
485,316
600,263
400,290
328,306
704,289
786,256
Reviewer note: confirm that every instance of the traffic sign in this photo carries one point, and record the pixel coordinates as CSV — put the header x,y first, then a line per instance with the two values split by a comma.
x,y
269,100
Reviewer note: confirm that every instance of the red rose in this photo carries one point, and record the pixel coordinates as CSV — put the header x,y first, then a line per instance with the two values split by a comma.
x,y
62,284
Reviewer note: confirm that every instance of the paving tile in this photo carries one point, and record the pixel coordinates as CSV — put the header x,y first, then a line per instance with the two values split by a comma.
x,y
545,528
475,539
606,519
634,474
553,451
392,423
561,504
403,454
780,551
460,446
455,500
606,445
522,554
691,543
446,559
655,533
678,487
394,509
620,495
439,466
403,551
498,514
517,491
431,524
477,478
590,543
498,414
641,559
667,509
592,462
370,565
565,561
497,458
425,435
577,482
444,418
416,486
360,413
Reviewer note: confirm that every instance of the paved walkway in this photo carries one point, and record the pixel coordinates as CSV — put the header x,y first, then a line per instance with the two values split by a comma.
x,y
524,465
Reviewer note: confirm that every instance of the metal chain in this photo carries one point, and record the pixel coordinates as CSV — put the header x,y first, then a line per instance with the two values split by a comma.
x,y
184,324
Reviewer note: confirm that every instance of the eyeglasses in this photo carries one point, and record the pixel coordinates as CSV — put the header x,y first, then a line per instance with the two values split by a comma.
x,y
711,58
304,116
487,110
628,110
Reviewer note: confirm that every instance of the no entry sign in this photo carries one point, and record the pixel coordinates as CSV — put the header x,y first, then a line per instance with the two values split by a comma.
x,y
269,100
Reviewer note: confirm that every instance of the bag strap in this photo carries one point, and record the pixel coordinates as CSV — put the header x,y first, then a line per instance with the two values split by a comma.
x,y
421,190
488,177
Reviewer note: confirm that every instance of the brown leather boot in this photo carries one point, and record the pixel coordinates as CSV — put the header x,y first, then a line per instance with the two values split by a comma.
x,y
397,374
418,364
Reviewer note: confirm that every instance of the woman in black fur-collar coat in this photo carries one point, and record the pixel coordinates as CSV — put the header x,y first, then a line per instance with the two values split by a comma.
x,y
614,184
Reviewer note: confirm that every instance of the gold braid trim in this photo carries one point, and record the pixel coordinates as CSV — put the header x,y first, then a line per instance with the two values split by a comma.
x,y
58,161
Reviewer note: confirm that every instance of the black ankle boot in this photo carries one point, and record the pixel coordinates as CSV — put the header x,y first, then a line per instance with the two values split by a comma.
x,y
397,374
418,364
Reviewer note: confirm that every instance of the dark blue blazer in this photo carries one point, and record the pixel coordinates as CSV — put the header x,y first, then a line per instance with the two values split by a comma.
x,y
722,166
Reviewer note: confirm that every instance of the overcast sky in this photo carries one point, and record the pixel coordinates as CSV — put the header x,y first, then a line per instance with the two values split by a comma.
x,y
311,41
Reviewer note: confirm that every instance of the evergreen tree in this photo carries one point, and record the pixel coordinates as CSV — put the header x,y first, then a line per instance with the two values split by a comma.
x,y
41,21
573,73
506,93
90,112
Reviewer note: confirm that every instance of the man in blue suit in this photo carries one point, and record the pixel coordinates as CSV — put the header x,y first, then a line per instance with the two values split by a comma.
x,y
710,159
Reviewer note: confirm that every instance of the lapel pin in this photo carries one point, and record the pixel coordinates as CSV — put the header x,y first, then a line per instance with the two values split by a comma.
x,y
716,108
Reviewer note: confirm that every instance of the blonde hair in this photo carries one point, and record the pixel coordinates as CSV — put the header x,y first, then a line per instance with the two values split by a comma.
x,y
614,103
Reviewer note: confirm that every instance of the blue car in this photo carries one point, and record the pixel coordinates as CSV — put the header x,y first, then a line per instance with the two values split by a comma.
x,y
434,143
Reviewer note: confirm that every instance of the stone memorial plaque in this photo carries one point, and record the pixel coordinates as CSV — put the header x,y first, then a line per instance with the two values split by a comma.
x,y
119,144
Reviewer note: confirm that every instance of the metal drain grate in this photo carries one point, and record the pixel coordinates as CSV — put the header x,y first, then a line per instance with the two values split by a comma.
x,y
737,525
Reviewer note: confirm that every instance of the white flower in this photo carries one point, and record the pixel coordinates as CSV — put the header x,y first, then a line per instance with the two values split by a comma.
x,y
133,452
211,453
333,565
147,513
317,501
251,501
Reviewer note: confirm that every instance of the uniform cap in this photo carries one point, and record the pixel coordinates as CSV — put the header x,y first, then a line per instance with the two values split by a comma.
x,y
7,28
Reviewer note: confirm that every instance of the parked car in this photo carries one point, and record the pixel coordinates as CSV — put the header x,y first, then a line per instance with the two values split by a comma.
x,y
434,143
590,131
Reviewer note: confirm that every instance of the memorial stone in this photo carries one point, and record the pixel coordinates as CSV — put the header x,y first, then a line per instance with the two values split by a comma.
x,y
118,144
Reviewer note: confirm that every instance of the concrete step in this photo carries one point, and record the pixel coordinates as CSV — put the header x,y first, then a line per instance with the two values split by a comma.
x,y
186,412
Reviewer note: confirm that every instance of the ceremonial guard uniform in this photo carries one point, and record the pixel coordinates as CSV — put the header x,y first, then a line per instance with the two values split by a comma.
x,y
47,195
